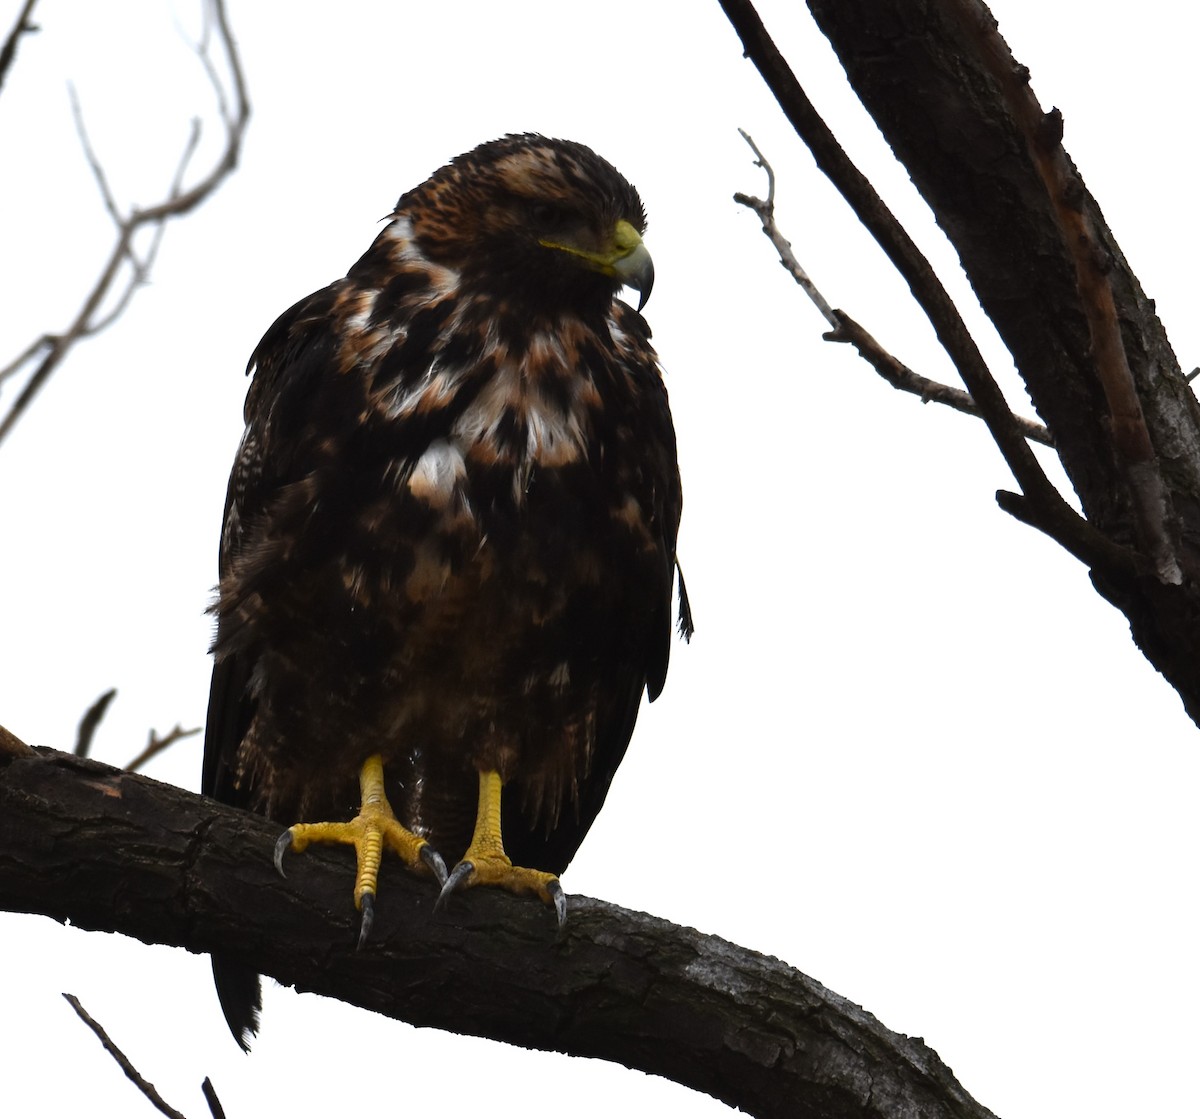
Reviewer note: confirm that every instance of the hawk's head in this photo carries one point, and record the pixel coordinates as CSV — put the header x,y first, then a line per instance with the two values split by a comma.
x,y
533,220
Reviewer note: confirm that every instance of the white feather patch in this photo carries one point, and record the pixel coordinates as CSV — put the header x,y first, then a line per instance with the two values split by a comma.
x,y
437,472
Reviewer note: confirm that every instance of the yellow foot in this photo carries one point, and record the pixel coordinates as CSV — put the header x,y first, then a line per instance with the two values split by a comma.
x,y
486,864
374,826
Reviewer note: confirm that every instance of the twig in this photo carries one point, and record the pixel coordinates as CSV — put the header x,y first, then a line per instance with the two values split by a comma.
x,y
93,160
157,745
210,1097
766,214
90,721
144,1086
11,746
51,349
899,376
8,52
1060,521
845,329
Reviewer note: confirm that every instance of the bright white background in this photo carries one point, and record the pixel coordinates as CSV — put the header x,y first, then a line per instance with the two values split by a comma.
x,y
910,750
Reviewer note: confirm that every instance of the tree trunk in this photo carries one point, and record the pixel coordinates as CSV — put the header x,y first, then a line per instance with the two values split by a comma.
x,y
959,113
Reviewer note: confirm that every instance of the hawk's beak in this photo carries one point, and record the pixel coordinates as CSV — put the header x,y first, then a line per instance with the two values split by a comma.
x,y
633,267
627,260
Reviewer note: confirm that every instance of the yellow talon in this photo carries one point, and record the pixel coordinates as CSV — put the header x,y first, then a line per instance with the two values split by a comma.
x,y
374,826
486,864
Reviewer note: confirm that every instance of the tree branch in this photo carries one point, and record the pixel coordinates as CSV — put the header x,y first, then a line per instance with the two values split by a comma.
x,y
23,26
91,319
899,376
156,745
131,855
959,112
90,721
1056,517
845,329
124,1063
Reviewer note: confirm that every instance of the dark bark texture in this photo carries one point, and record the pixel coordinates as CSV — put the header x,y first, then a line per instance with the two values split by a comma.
x,y
960,115
116,851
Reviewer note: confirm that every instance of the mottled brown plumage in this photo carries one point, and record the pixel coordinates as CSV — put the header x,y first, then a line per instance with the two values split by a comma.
x,y
450,530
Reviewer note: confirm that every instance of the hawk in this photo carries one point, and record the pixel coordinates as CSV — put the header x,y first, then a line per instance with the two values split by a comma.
x,y
448,552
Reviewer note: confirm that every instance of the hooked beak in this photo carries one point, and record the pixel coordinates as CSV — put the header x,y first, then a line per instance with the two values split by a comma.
x,y
625,259
634,268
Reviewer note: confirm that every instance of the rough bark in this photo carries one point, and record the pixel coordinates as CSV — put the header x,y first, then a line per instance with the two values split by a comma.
x,y
959,113
118,852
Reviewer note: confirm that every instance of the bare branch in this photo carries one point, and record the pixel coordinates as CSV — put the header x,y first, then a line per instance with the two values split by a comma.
x,y
90,721
1056,516
53,348
143,1085
141,268
899,376
23,26
157,745
93,160
613,984
766,214
210,1097
845,329
12,747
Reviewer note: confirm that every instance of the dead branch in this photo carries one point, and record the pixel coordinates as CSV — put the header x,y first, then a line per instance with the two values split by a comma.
x,y
131,855
845,329
765,209
124,1063
157,745
90,721
23,26
11,746
210,1098
125,272
899,376
1055,516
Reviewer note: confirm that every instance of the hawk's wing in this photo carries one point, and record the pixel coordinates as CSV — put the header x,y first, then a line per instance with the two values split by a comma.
x,y
276,452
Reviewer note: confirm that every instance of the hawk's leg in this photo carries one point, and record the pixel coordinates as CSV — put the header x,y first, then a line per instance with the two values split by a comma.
x,y
486,864
374,826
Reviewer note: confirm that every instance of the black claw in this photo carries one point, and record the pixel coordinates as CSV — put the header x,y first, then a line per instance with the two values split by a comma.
x,y
368,919
281,848
560,901
435,863
458,876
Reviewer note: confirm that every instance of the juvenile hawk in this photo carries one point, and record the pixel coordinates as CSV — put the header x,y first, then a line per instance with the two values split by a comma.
x,y
449,539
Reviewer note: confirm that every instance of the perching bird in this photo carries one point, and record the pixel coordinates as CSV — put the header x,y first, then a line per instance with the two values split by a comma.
x,y
449,541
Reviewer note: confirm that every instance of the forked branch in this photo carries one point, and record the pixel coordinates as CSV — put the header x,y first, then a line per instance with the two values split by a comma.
x,y
845,329
1052,514
126,270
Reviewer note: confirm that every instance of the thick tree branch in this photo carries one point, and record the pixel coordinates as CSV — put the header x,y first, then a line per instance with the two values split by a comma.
x,y
955,106
131,855
959,112
1056,517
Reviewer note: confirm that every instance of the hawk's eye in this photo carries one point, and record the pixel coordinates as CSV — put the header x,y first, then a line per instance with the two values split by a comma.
x,y
548,216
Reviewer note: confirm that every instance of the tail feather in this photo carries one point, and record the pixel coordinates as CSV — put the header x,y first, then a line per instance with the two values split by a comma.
x,y
240,991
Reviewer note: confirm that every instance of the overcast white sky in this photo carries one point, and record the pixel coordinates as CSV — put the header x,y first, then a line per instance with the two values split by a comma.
x,y
939,777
